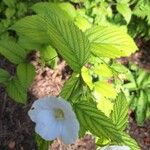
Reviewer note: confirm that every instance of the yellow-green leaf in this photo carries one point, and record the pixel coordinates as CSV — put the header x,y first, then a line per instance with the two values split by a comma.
x,y
105,105
87,77
110,41
120,112
105,89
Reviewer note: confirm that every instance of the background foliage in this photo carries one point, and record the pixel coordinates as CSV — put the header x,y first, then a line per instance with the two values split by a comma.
x,y
89,39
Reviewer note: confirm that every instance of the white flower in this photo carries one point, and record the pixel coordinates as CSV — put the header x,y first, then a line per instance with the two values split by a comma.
x,y
115,147
54,118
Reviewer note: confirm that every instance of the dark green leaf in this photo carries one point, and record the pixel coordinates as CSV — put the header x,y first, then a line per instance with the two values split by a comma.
x,y
16,91
70,86
12,51
25,74
9,12
49,55
28,44
4,76
10,3
95,121
33,29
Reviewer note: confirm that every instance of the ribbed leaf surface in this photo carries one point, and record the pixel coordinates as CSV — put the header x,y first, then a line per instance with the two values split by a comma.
x,y
71,88
120,112
70,42
4,75
53,8
25,74
127,140
53,28
12,51
32,28
95,121
16,91
110,41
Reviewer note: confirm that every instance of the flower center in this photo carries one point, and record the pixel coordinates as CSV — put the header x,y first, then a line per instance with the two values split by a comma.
x,y
59,114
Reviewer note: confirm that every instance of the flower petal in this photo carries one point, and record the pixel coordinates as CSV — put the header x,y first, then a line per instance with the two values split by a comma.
x,y
48,103
37,106
50,127
47,127
59,103
69,132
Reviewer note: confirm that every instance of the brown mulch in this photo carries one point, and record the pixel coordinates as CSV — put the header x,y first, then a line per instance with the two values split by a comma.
x,y
142,57
16,128
85,143
140,133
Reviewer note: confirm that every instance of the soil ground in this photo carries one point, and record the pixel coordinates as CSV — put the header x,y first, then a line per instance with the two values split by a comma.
x,y
17,130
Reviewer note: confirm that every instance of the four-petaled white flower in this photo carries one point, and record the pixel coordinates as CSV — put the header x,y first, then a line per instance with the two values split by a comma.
x,y
54,118
115,147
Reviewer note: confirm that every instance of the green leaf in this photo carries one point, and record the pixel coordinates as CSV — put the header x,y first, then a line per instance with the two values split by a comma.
x,y
25,74
95,121
10,3
120,112
49,55
32,28
22,9
70,87
110,41
87,77
133,102
53,8
69,9
16,91
12,51
143,76
123,1
141,108
62,34
103,70
4,76
63,9
82,23
9,12
29,45
105,89
142,10
70,42
127,140
105,105
130,86
102,142
125,11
